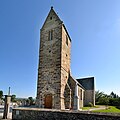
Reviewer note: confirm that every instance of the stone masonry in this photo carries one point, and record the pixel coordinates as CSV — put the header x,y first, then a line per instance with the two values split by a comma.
x,y
56,88
54,62
42,114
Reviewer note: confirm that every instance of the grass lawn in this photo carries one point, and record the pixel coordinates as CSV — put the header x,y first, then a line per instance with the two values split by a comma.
x,y
111,109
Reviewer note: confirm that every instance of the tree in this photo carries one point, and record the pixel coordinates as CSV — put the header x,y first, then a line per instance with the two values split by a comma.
x,y
98,95
31,100
104,100
113,95
1,94
13,98
114,101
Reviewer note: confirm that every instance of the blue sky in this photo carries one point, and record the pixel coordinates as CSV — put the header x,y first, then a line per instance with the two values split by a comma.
x,y
94,27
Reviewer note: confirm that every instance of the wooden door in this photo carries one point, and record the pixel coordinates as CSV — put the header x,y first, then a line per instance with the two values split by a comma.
x,y
48,101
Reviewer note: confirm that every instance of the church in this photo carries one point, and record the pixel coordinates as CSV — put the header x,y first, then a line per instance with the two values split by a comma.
x,y
56,87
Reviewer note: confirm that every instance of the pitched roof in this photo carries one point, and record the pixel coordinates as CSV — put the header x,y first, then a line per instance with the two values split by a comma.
x,y
77,82
87,83
52,12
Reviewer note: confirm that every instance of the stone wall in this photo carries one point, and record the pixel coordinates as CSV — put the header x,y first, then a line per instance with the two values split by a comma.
x,y
67,95
39,114
49,68
88,84
72,84
54,63
89,97
65,67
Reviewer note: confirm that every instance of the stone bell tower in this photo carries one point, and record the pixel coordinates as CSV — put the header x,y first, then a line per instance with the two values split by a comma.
x,y
54,63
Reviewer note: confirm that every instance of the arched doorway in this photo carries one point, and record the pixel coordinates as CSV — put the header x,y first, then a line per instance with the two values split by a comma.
x,y
48,101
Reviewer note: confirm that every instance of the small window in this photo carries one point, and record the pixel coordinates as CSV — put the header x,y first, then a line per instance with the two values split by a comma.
x,y
66,39
50,18
50,36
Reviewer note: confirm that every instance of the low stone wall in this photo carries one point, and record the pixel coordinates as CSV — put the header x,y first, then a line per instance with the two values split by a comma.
x,y
46,114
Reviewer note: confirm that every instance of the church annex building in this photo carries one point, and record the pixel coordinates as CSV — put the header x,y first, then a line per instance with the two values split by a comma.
x,y
56,88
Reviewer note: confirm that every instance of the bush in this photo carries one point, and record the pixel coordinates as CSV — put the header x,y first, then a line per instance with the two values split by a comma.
x,y
90,104
103,101
114,101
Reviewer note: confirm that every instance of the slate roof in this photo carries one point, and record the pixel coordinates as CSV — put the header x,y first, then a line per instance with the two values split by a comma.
x,y
79,84
87,83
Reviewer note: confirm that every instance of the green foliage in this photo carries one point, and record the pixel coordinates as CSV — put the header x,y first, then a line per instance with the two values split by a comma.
x,y
13,98
113,95
1,94
90,104
98,95
31,100
101,98
27,102
104,99
114,101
